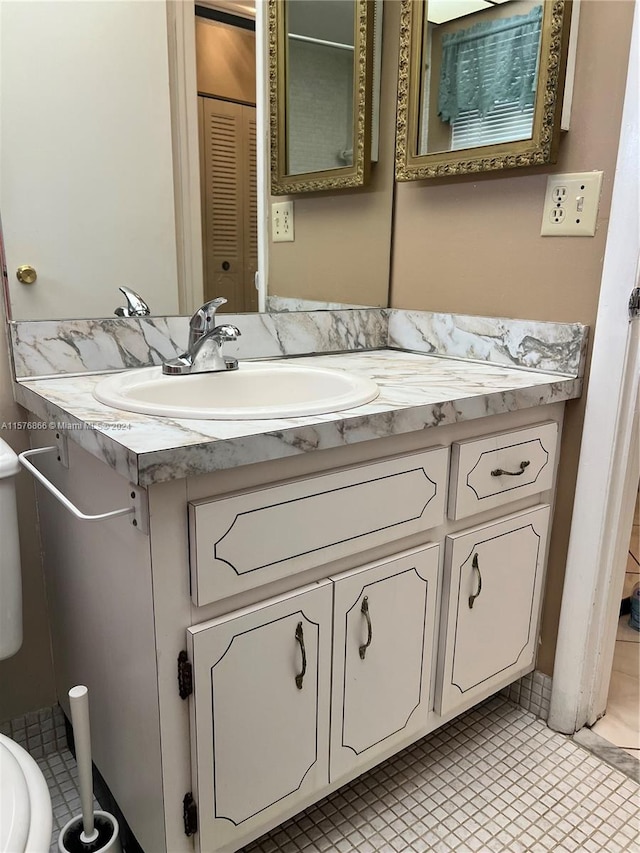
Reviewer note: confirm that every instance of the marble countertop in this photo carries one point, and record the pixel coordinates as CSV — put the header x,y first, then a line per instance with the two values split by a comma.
x,y
416,392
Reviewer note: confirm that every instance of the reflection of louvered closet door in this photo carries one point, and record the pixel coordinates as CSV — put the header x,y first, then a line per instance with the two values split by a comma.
x,y
229,202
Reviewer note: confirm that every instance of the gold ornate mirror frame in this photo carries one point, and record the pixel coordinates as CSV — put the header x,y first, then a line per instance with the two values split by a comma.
x,y
539,149
342,177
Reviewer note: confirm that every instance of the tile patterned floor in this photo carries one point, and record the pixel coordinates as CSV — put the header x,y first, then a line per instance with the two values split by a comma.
x,y
621,723
496,780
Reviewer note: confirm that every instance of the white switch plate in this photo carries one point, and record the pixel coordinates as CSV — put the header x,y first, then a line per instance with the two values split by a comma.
x,y
571,205
282,222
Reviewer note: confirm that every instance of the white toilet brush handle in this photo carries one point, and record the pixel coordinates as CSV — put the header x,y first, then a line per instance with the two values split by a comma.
x,y
79,700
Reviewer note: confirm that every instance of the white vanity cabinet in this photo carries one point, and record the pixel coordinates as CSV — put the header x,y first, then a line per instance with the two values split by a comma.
x,y
334,607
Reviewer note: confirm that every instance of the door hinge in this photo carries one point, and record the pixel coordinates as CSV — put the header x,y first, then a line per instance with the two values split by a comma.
x,y
190,814
634,303
185,676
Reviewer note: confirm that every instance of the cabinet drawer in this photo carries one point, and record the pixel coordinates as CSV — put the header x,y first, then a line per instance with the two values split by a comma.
x,y
497,469
492,585
384,629
242,541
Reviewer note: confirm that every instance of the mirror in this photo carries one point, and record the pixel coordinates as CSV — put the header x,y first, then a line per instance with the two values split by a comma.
x,y
91,205
480,86
320,57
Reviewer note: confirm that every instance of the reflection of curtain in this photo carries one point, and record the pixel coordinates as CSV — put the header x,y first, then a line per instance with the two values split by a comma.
x,y
489,63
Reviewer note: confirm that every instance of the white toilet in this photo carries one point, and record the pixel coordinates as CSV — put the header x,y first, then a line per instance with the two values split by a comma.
x,y
25,804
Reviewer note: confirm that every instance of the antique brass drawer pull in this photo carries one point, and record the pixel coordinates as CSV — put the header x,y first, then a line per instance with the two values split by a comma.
x,y
365,612
474,565
499,472
300,639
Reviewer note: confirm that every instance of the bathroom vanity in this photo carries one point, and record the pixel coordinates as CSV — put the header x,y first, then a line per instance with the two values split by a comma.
x,y
305,597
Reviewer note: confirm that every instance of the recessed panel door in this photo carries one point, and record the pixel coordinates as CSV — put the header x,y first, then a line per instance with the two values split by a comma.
x,y
261,712
384,624
493,582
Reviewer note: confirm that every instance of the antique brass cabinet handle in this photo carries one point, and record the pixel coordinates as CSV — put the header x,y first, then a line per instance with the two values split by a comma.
x,y
498,472
365,612
474,565
300,639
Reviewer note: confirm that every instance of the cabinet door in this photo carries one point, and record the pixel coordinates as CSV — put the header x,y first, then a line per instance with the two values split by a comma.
x,y
384,624
493,583
260,712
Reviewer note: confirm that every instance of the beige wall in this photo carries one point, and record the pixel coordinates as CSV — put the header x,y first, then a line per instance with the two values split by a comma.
x,y
26,679
341,251
225,61
473,245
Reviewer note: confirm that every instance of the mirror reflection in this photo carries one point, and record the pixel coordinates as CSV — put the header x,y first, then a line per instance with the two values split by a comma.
x,y
480,85
481,63
321,66
148,174
226,81
319,61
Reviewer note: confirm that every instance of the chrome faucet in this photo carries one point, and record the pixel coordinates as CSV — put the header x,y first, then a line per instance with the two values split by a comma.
x,y
203,353
135,307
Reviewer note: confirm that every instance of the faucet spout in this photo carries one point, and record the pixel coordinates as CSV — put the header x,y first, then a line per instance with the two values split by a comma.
x,y
135,307
203,354
203,321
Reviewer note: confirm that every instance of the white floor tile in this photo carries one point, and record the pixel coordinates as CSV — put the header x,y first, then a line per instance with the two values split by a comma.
x,y
496,780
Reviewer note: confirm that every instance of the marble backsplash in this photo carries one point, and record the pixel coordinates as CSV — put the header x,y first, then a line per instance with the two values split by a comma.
x,y
55,347
531,344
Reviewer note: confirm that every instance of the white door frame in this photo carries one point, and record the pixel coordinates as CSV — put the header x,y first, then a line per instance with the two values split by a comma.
x,y
608,467
181,29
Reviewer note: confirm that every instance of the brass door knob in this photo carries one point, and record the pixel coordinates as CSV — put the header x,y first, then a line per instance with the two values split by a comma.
x,y
26,274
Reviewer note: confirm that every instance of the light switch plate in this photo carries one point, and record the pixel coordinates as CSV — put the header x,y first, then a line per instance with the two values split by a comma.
x,y
571,205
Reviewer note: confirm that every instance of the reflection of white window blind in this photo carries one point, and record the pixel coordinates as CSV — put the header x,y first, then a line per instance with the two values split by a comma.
x,y
505,123
507,119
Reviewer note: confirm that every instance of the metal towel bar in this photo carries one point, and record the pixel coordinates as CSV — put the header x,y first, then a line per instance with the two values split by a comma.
x,y
24,460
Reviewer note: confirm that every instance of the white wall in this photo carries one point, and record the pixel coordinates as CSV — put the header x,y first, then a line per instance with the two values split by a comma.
x,y
86,174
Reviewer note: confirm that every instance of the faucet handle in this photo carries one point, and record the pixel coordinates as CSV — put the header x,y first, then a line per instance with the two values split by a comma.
x,y
226,332
135,307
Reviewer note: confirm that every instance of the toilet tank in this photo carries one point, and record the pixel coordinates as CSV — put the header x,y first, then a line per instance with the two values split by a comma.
x,y
10,578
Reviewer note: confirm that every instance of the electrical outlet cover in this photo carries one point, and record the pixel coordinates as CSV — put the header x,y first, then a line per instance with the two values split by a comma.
x,y
571,205
282,222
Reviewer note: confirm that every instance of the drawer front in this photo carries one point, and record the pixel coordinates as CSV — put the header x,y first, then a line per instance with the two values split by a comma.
x,y
498,469
242,541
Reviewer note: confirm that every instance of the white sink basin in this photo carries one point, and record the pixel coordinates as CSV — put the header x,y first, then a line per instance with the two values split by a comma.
x,y
254,391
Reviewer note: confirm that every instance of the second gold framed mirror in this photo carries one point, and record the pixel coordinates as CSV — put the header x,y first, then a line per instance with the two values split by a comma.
x,y
320,72
480,85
